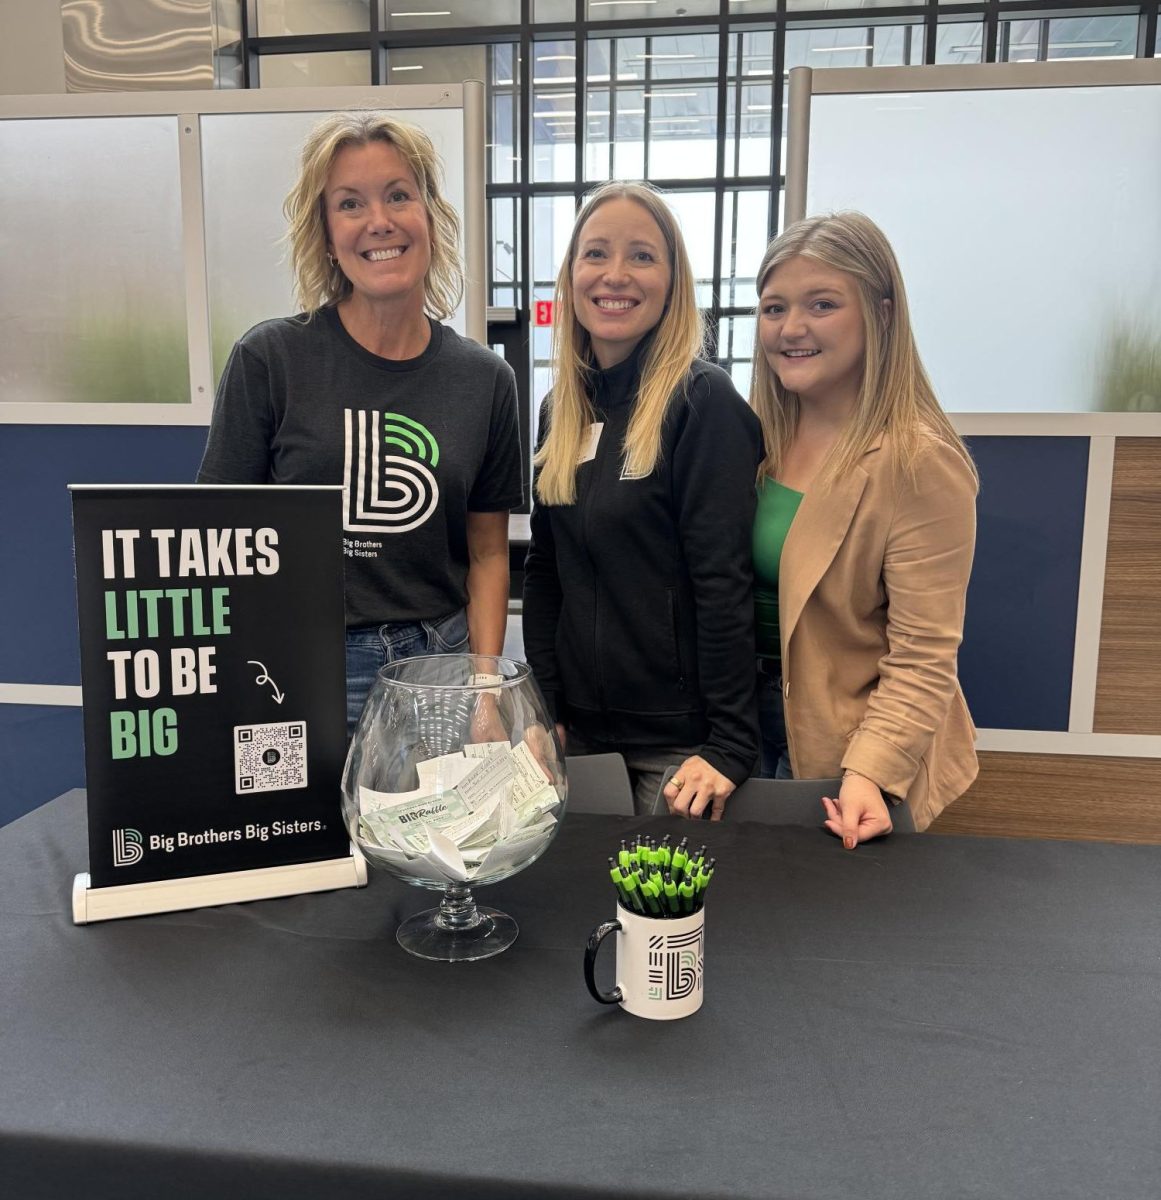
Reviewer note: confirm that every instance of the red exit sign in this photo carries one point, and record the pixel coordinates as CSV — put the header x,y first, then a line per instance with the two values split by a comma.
x,y
542,312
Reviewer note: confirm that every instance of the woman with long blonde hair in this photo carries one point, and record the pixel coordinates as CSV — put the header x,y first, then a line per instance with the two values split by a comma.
x,y
864,536
637,596
368,387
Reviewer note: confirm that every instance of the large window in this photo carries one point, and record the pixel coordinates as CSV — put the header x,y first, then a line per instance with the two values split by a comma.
x,y
690,94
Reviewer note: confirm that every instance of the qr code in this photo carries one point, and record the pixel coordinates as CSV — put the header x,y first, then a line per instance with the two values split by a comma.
x,y
269,758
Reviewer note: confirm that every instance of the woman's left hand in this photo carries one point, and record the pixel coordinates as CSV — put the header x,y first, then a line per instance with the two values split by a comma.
x,y
696,786
860,812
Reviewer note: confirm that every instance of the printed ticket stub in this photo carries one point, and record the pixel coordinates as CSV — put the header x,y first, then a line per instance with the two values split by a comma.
x,y
483,749
475,812
474,826
529,776
404,824
371,801
488,778
436,775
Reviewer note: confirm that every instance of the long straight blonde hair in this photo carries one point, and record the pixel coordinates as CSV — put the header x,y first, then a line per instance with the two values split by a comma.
x,y
677,342
895,395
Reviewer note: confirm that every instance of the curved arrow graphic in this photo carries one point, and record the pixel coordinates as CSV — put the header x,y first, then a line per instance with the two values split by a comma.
x,y
265,678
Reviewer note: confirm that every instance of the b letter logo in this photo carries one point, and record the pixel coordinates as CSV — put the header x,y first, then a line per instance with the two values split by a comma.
x,y
127,849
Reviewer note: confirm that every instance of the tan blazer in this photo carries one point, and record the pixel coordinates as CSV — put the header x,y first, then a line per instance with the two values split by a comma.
x,y
871,602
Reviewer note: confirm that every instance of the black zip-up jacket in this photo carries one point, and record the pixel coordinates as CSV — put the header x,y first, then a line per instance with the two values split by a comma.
x,y
638,608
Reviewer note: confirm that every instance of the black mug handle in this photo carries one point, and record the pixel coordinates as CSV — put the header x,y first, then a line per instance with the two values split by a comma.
x,y
597,936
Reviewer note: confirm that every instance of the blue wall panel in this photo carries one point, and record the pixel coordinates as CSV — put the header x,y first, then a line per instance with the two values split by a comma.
x,y
1016,660
38,611
41,755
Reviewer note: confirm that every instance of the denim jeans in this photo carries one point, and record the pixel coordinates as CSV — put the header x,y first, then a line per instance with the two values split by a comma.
x,y
774,760
374,646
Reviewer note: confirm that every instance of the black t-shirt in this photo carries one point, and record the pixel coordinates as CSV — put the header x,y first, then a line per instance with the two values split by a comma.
x,y
417,444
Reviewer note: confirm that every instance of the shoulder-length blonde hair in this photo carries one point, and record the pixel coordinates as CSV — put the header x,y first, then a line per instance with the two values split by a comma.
x,y
318,282
677,342
895,395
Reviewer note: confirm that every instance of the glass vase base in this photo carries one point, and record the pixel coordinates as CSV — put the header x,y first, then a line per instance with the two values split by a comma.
x,y
425,937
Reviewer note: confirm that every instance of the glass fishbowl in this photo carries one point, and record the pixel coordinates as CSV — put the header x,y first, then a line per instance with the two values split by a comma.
x,y
454,779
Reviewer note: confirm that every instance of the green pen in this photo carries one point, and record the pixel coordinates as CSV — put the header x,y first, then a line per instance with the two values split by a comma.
x,y
615,876
680,857
630,883
686,891
664,853
650,895
670,888
623,854
705,875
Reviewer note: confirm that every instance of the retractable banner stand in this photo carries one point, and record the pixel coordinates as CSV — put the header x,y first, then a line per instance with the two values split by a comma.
x,y
213,680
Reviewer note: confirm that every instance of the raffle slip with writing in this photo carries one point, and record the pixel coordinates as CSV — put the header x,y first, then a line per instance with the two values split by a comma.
x,y
212,664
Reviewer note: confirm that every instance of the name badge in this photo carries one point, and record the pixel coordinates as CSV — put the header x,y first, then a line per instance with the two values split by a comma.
x,y
591,441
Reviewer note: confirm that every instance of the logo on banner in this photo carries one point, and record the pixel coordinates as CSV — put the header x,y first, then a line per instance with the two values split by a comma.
x,y
390,487
127,848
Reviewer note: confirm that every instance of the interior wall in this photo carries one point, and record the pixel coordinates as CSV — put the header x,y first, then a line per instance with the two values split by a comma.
x,y
31,47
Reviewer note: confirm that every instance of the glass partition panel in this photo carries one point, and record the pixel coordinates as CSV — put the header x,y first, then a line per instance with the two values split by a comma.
x,y
92,283
736,349
745,221
448,14
1025,221
960,42
281,18
249,163
695,212
330,68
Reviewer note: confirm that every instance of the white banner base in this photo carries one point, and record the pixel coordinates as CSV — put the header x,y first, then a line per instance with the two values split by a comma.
x,y
201,891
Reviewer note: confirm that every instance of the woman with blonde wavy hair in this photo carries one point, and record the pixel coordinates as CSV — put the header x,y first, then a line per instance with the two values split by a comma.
x,y
368,387
864,537
637,596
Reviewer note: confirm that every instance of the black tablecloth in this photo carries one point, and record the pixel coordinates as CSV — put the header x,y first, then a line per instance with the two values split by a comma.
x,y
927,1017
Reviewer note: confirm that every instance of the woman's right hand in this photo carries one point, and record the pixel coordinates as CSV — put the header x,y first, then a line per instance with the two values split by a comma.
x,y
859,813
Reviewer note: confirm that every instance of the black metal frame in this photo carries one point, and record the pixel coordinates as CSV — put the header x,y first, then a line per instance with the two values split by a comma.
x,y
995,16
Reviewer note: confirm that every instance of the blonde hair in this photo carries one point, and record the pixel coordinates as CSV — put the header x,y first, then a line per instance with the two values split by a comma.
x,y
895,394
318,282
677,342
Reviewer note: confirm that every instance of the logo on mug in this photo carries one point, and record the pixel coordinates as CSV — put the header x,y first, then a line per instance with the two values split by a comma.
x,y
675,964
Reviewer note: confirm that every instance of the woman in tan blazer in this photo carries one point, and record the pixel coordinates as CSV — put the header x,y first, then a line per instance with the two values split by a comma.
x,y
867,524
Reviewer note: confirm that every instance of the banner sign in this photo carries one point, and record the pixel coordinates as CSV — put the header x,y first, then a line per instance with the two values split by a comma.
x,y
213,678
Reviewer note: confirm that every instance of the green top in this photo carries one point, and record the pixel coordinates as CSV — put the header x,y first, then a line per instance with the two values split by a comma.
x,y
777,505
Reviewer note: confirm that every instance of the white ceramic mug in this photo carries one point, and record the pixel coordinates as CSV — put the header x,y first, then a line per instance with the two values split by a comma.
x,y
660,964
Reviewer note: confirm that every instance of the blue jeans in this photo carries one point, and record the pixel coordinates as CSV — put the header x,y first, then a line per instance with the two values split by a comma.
x,y
374,646
774,760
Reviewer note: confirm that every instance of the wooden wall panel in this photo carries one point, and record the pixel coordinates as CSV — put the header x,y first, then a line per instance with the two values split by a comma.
x,y
1128,694
1060,796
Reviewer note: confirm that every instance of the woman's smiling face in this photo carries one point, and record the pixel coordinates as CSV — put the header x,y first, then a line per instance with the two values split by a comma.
x,y
620,278
377,224
811,328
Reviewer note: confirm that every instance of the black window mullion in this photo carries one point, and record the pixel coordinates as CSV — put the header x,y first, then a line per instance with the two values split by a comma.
x,y
991,34
647,116
1042,42
723,91
776,120
580,92
1147,33
524,176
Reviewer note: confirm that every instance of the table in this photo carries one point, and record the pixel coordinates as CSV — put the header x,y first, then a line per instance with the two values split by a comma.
x,y
926,1017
